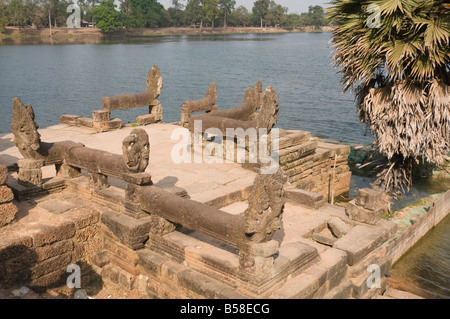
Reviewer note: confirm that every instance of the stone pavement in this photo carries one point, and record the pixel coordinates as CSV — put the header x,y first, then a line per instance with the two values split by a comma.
x,y
203,182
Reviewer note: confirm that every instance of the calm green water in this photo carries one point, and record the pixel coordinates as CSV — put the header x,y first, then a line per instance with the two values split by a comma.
x,y
72,79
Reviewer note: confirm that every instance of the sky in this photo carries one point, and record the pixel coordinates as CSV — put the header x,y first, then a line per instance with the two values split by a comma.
x,y
295,6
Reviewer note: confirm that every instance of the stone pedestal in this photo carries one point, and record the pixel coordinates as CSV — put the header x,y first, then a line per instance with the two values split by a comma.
x,y
101,116
134,181
155,114
257,260
30,173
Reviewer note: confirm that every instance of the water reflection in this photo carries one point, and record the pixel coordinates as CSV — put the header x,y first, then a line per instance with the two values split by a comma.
x,y
130,40
425,268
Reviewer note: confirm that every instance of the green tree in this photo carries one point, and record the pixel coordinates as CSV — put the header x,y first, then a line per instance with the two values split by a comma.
x,y
194,12
260,9
15,11
293,20
240,16
144,14
226,7
316,16
396,57
176,12
211,10
107,17
3,17
276,14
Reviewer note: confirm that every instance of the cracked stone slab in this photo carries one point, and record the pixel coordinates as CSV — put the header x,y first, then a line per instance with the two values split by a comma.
x,y
57,206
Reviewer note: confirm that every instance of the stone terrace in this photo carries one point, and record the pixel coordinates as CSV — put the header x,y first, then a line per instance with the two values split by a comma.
x,y
203,182
322,254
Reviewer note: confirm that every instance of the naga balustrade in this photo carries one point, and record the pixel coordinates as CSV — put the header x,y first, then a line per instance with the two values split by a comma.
x,y
250,232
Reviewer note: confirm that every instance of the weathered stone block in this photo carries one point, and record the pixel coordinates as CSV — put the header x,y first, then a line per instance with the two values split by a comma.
x,y
324,239
101,116
264,249
50,265
51,234
132,232
372,199
30,177
293,138
146,119
304,286
56,206
56,249
14,245
111,273
151,261
85,249
304,197
342,291
6,194
83,217
360,241
69,119
30,164
318,271
389,226
19,264
360,214
334,260
85,121
200,284
171,269
100,258
86,233
3,174
50,280
138,178
8,213
156,108
121,251
114,124
125,280
338,227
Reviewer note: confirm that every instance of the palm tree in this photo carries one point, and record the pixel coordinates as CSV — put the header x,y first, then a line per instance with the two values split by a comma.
x,y
394,54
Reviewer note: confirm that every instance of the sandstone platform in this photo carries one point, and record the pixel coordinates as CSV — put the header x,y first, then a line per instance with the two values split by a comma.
x,y
321,252
204,182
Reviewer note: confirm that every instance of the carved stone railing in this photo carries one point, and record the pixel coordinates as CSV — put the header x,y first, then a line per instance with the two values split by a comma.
x,y
244,116
250,232
101,119
147,98
207,105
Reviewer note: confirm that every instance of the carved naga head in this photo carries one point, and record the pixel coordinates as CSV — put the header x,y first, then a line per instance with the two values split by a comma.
x,y
136,151
266,203
25,129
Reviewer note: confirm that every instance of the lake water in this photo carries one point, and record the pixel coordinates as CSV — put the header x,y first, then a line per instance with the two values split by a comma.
x,y
73,78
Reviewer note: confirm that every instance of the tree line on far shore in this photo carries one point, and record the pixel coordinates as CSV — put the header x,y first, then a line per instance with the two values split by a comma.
x,y
109,17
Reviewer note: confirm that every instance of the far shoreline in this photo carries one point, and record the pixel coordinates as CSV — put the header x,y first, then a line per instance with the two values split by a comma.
x,y
15,35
